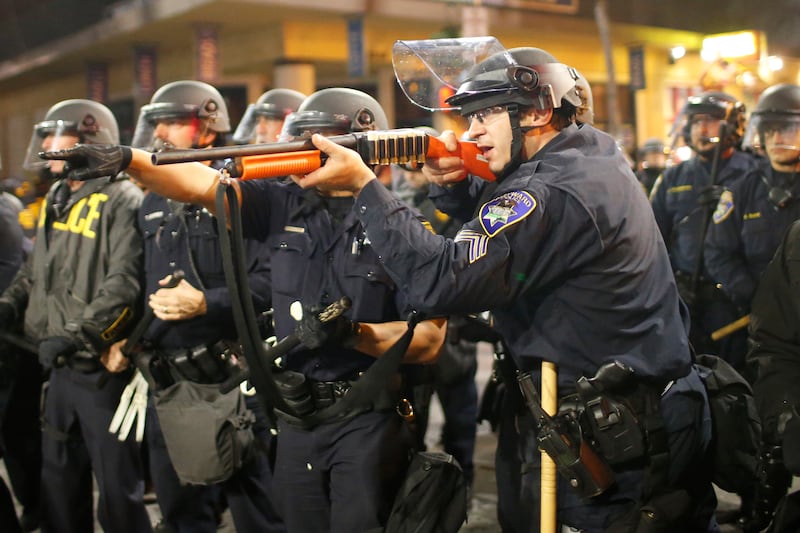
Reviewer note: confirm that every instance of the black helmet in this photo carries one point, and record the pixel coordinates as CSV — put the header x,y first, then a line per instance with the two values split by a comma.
x,y
718,105
777,108
186,99
518,78
275,104
335,111
90,121
652,146
524,76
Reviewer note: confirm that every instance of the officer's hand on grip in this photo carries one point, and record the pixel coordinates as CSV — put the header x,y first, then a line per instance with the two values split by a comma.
x,y
314,333
55,351
7,316
89,161
709,196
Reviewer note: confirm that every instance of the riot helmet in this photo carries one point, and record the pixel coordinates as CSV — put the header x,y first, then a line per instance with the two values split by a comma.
x,y
585,111
481,74
182,100
65,124
718,106
777,110
532,78
274,104
334,111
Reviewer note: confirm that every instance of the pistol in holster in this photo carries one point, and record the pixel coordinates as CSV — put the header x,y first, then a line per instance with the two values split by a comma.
x,y
562,439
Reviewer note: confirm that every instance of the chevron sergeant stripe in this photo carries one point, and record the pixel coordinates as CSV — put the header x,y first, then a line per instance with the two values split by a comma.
x,y
478,243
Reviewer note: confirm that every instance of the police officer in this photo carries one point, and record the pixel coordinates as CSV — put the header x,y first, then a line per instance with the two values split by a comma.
x,y
565,254
753,213
263,120
194,316
452,377
11,257
775,356
77,293
683,199
652,162
340,475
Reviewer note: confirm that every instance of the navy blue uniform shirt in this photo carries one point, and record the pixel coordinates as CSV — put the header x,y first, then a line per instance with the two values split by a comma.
x,y
678,214
747,229
567,256
316,261
178,236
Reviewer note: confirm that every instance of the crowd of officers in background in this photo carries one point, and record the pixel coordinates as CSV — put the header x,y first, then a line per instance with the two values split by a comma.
x,y
723,214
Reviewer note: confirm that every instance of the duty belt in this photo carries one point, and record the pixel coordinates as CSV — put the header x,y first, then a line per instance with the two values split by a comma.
x,y
200,364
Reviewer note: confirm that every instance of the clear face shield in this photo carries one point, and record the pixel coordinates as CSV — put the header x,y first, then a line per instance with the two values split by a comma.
x,y
144,136
303,124
429,71
780,131
48,136
258,123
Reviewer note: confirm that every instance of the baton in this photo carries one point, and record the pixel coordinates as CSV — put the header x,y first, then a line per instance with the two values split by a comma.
x,y
19,342
136,337
548,481
141,328
727,329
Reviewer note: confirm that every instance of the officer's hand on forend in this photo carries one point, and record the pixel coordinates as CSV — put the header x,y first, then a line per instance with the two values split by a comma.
x,y
477,328
54,351
7,316
314,333
709,196
89,161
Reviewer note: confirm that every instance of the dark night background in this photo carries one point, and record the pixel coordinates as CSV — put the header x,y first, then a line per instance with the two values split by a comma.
x,y
27,24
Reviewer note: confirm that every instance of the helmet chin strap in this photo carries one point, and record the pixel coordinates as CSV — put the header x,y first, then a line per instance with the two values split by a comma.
x,y
517,134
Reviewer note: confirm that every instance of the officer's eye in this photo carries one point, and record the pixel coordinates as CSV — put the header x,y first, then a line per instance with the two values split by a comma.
x,y
485,113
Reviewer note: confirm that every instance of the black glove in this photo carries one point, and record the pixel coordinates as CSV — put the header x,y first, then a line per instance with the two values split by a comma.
x,y
709,196
55,351
772,483
89,161
314,333
7,316
476,328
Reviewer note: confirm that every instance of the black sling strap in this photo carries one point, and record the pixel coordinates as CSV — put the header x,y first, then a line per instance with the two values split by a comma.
x,y
368,387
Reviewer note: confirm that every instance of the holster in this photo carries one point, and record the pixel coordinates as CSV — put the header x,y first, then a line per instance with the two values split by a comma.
x,y
613,412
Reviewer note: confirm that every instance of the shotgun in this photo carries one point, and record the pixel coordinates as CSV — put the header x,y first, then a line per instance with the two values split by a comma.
x,y
401,146
560,437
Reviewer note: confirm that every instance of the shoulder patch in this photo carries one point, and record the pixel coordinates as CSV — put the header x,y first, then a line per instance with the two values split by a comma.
x,y
506,210
724,207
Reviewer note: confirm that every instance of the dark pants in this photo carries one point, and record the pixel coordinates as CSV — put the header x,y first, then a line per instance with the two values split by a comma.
x,y
76,443
688,424
453,380
21,432
341,476
8,514
194,508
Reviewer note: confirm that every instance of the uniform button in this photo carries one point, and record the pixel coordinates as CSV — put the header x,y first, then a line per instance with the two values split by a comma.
x,y
174,234
172,264
283,244
371,275
362,208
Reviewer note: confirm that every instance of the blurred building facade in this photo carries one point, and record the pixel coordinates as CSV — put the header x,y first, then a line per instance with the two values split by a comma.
x,y
119,52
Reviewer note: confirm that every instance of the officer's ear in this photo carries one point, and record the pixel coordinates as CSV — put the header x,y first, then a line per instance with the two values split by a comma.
x,y
533,117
